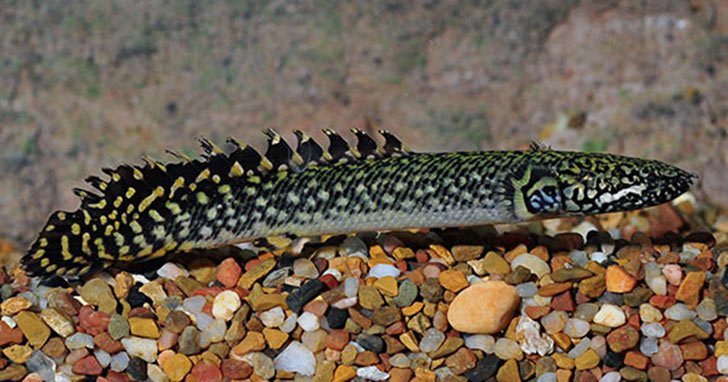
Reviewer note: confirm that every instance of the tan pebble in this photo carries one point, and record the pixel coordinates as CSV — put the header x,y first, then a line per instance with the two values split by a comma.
x,y
369,297
14,305
144,327
496,304
154,291
587,360
453,280
492,263
401,253
18,353
387,285
176,366
464,253
519,250
253,341
348,355
409,340
248,278
344,373
33,328
59,322
508,372
124,282
441,252
413,309
274,337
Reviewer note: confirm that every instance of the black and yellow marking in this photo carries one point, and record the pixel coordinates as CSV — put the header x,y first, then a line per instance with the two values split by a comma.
x,y
148,211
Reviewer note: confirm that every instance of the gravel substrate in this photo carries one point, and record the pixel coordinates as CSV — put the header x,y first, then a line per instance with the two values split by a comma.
x,y
548,301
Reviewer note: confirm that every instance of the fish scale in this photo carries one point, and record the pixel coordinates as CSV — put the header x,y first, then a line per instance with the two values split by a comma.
x,y
147,212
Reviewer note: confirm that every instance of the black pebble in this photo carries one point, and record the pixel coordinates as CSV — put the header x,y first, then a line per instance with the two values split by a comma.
x,y
337,318
370,342
614,360
286,260
136,298
307,292
137,369
484,369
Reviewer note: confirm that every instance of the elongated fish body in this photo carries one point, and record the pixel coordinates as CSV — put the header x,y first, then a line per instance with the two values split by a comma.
x,y
148,211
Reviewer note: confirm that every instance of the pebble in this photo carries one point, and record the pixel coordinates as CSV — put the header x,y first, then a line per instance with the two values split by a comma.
x,y
176,366
97,292
383,270
653,329
679,312
171,271
654,278
296,358
372,373
576,328
554,322
79,340
623,338
533,263
143,348
497,304
229,272
59,322
308,321
206,371
484,342
119,326
610,315
305,268
406,294
432,340
273,318
263,365
119,361
33,328
508,349
668,356
225,305
144,327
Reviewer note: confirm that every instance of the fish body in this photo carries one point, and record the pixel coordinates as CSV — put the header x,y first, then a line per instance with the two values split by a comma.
x,y
148,211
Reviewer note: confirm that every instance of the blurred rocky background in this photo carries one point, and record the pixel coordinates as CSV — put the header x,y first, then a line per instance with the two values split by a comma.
x,y
90,84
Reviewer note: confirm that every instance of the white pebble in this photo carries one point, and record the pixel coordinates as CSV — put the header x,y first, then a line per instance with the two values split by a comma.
x,y
351,286
372,373
381,270
345,302
103,357
507,349
655,279
308,321
225,305
707,310
547,377
484,342
610,315
273,318
653,329
156,374
680,312
649,346
296,358
305,268
723,364
527,289
290,323
119,361
584,228
432,340
143,348
598,256
580,348
612,376
171,271
532,263
576,328
194,304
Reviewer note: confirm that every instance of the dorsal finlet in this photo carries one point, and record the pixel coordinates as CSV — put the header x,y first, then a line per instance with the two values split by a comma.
x,y
279,153
538,146
179,155
366,145
338,147
209,147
